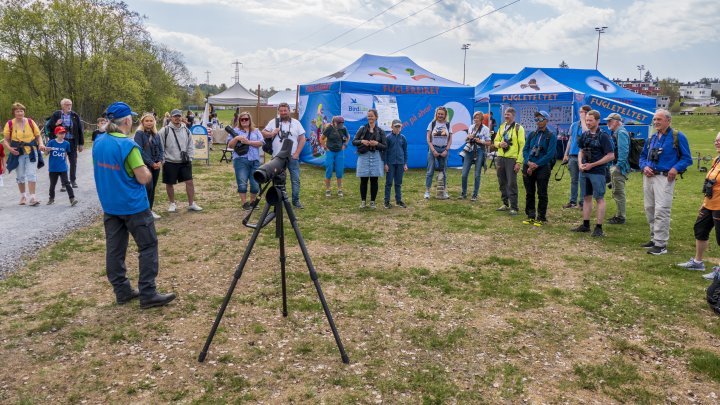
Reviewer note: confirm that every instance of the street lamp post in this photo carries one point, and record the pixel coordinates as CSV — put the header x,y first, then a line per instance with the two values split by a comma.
x,y
641,68
600,30
464,47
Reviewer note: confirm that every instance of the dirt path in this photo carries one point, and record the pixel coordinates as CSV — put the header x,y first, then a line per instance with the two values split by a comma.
x,y
26,229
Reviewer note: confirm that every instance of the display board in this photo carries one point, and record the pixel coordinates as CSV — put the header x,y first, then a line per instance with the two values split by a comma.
x,y
200,143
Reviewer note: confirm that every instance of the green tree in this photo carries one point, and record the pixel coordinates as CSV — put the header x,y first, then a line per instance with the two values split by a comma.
x,y
91,51
670,87
648,77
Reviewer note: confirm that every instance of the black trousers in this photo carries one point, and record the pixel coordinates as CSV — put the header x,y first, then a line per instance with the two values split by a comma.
x,y
373,188
54,176
536,182
72,157
150,187
117,230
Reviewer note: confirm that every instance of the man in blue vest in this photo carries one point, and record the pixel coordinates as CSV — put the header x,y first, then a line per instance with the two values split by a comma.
x,y
120,178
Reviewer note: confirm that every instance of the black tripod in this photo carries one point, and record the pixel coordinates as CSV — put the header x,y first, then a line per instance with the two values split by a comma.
x,y
277,198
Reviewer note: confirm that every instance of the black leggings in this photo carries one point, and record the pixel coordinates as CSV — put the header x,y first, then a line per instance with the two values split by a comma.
x,y
63,176
152,185
373,188
706,220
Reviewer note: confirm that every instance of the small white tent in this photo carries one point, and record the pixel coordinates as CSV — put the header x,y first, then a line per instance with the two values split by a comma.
x,y
283,96
235,95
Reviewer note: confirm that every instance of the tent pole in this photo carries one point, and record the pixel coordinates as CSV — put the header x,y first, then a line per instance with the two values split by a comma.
x,y
297,100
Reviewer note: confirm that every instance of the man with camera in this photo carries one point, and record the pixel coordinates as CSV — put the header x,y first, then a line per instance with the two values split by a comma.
x,y
707,219
285,127
596,151
619,168
120,178
539,157
571,158
510,141
71,121
179,150
665,154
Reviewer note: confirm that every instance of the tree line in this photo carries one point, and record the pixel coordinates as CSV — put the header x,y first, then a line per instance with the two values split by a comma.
x,y
93,52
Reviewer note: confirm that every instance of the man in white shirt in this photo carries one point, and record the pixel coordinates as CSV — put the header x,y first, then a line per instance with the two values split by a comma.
x,y
285,127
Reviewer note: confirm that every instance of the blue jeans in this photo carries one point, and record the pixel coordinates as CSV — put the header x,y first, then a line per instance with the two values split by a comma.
x,y
575,181
394,175
244,170
467,163
432,161
334,160
294,169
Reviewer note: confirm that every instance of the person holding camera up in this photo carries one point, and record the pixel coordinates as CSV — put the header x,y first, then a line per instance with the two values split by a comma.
x,y
665,154
285,127
596,151
708,217
620,167
246,142
334,139
539,157
370,141
510,141
438,139
178,145
474,152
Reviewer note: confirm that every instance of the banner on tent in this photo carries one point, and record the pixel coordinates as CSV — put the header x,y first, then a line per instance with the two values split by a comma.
x,y
387,108
354,106
630,114
561,116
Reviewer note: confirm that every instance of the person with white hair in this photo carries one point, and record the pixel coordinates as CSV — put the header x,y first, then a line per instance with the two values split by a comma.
x,y
665,155
74,134
120,179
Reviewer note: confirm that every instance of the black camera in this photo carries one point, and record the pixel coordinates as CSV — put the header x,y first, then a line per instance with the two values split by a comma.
x,y
535,152
276,166
655,154
509,143
240,148
708,187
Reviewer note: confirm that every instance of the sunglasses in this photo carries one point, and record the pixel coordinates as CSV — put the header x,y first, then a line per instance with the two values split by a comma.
x,y
244,119
539,119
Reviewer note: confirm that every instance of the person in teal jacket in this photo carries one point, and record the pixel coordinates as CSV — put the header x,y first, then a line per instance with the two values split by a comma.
x,y
538,157
620,167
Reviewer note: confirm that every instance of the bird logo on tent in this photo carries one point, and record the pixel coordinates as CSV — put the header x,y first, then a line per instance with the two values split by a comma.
x,y
384,72
531,84
337,75
604,85
411,72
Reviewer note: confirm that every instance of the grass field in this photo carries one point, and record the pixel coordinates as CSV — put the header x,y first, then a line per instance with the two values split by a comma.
x,y
445,302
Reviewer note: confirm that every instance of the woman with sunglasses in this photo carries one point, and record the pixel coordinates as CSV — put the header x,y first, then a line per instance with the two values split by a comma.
x,y
152,152
246,164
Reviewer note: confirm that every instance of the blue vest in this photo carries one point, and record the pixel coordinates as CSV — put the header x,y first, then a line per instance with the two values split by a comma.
x,y
119,193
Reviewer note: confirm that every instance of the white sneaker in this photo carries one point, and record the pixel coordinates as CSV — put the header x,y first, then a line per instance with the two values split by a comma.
x,y
172,207
194,207
427,195
155,215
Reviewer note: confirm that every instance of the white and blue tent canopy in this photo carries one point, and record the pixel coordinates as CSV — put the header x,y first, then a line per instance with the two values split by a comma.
x,y
398,88
558,85
490,83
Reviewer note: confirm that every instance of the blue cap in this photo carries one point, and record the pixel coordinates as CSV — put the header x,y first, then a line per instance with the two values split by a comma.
x,y
543,113
118,110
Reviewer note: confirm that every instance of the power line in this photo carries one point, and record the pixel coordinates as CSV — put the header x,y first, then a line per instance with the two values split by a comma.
x,y
455,27
284,63
387,26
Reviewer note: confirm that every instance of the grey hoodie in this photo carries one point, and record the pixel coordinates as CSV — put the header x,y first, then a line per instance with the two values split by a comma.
x,y
172,152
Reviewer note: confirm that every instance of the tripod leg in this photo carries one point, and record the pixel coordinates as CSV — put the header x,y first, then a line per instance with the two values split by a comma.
x,y
236,277
314,277
280,233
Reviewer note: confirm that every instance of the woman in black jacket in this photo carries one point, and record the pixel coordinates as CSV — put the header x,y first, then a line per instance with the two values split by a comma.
x,y
152,153
369,141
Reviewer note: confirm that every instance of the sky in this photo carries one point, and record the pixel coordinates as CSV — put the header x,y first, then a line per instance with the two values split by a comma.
x,y
284,43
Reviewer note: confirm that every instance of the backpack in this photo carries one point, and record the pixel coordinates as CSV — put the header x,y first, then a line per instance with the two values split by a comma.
x,y
636,148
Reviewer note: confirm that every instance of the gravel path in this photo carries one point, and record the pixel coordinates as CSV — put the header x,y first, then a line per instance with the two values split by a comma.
x,y
26,229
